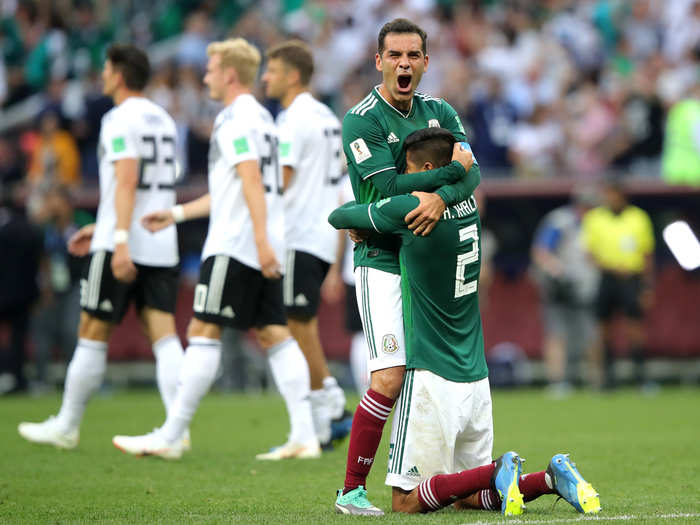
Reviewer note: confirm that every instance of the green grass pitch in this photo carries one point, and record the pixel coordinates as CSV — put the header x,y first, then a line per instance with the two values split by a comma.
x,y
642,454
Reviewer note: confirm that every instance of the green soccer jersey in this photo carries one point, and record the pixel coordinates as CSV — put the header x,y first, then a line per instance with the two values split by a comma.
x,y
439,281
373,140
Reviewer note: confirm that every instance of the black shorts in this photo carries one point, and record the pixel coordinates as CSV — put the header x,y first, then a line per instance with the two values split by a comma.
x,y
229,293
302,284
106,298
353,321
619,294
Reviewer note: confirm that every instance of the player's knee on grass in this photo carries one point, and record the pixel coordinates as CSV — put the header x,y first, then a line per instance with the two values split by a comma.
x,y
93,328
388,381
407,502
157,323
199,328
271,335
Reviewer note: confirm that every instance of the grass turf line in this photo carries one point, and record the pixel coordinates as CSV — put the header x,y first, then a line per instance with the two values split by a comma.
x,y
640,453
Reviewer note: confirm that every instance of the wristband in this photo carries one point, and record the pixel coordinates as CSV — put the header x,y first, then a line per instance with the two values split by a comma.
x,y
178,213
121,236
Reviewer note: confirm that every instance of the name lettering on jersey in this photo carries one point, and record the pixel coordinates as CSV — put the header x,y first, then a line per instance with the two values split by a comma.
x,y
118,144
360,150
392,138
461,209
433,123
240,146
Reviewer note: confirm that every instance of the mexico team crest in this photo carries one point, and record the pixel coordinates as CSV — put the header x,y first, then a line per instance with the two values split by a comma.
x,y
389,344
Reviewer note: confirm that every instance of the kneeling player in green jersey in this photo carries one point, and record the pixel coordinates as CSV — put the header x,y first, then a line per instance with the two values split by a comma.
x,y
442,435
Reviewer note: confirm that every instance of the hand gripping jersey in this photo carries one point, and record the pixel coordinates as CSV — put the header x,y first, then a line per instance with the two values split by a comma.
x,y
243,131
310,143
138,128
373,140
439,284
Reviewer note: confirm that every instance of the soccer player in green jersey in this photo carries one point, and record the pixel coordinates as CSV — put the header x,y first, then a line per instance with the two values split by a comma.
x,y
373,141
442,435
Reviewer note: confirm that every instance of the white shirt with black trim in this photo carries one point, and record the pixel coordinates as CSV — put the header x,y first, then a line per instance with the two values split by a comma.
x,y
311,144
138,129
243,131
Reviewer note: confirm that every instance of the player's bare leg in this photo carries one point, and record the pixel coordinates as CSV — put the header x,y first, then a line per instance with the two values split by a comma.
x,y
291,374
84,376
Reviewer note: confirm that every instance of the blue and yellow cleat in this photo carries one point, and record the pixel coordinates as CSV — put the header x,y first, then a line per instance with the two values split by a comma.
x,y
570,485
505,481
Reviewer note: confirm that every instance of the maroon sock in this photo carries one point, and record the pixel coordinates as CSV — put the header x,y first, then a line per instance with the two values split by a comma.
x,y
489,499
533,485
365,435
443,489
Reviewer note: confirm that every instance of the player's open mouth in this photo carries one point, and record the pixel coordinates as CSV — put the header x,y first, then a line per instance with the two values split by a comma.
x,y
404,83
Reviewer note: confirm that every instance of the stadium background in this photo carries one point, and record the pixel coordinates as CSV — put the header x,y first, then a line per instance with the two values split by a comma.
x,y
555,94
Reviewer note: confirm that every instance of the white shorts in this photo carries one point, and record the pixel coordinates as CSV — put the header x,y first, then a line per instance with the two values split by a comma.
x,y
439,427
381,310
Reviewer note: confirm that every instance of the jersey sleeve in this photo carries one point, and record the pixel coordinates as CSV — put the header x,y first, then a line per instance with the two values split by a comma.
x,y
463,188
120,139
236,142
385,216
291,144
646,233
449,119
365,146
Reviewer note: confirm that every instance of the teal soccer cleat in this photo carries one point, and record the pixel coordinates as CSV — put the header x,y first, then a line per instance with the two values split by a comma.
x,y
355,502
570,485
505,481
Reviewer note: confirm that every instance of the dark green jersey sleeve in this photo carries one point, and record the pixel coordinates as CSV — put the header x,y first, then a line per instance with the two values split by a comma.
x,y
366,148
385,216
457,191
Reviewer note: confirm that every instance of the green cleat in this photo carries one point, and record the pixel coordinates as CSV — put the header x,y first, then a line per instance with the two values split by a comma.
x,y
356,503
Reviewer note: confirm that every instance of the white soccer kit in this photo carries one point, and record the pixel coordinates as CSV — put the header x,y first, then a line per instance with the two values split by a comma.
x,y
310,143
439,427
138,129
243,131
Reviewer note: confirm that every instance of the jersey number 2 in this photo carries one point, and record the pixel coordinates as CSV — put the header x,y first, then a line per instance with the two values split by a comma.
x,y
462,286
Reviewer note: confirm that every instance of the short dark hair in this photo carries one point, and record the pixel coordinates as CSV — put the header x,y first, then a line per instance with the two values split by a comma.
x,y
401,25
431,145
297,54
132,63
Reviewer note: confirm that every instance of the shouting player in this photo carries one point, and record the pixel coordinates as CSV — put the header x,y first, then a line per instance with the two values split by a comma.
x,y
373,135
127,263
312,165
442,435
239,284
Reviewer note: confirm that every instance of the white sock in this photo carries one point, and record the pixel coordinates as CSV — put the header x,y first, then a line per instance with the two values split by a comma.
x,y
197,374
358,362
291,374
84,376
335,397
321,414
169,355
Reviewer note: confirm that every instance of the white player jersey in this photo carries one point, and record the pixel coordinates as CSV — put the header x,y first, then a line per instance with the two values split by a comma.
x,y
310,143
138,128
347,195
244,130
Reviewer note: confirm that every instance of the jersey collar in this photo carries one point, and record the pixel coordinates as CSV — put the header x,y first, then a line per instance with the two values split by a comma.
x,y
404,115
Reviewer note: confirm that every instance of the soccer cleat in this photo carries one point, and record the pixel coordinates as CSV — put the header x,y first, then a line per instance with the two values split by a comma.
x,y
356,503
570,485
505,481
152,444
291,450
49,432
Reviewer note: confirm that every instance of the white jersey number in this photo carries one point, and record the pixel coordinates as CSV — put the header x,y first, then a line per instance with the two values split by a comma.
x,y
462,286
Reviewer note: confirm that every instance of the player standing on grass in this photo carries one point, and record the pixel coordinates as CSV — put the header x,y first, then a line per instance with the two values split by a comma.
x,y
373,135
127,263
239,282
442,435
312,166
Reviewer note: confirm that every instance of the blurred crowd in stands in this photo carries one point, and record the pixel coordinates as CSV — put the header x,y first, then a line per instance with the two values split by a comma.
x,y
547,88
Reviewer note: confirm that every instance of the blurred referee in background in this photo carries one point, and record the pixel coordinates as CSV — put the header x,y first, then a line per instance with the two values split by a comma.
x,y
620,238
